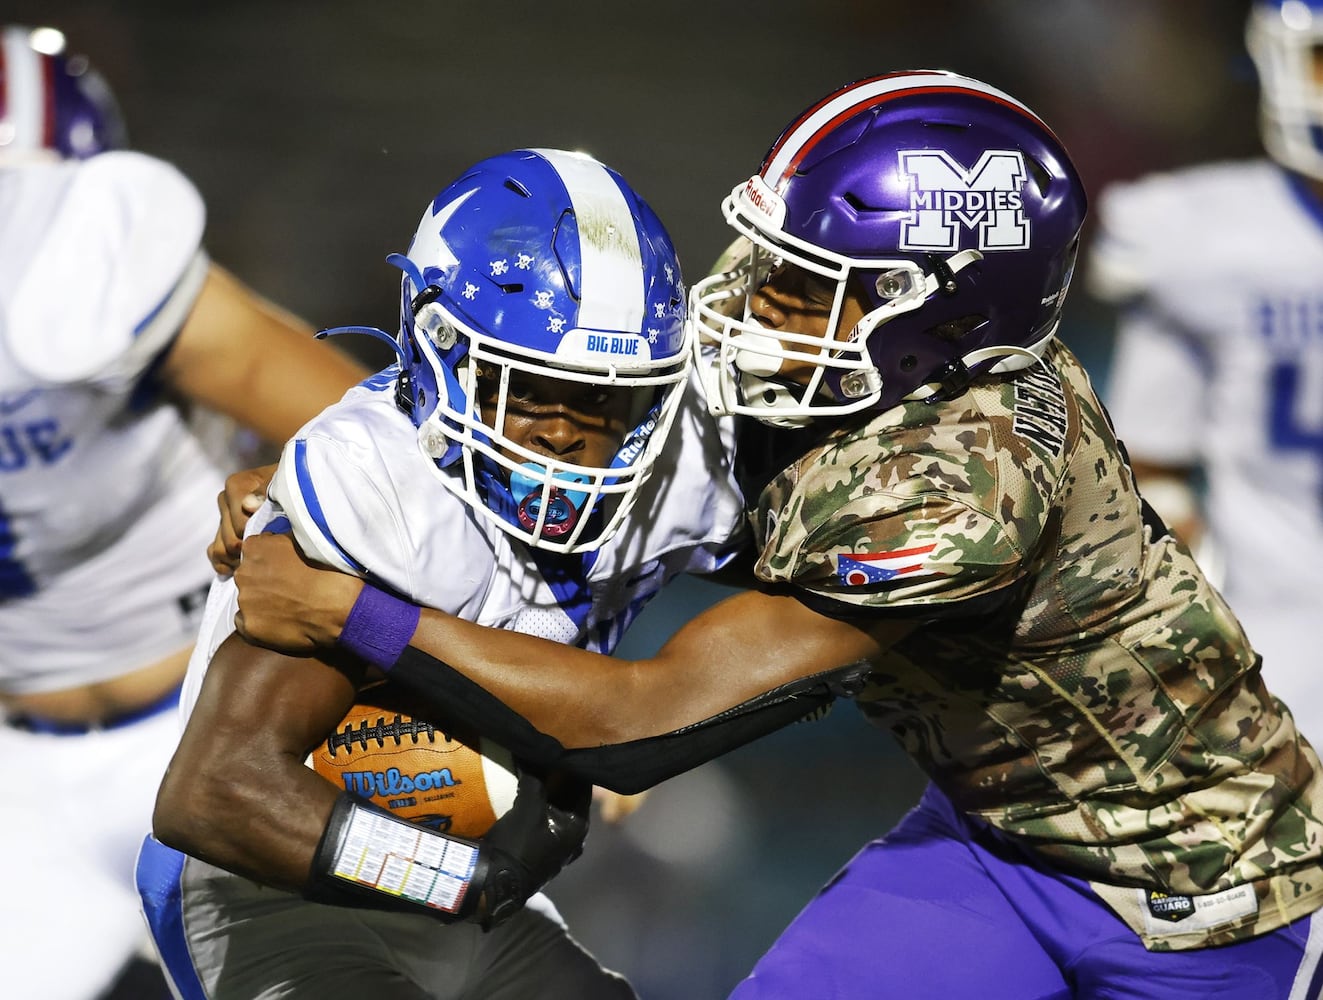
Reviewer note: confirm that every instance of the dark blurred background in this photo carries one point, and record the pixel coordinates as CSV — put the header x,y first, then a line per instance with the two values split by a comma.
x,y
318,131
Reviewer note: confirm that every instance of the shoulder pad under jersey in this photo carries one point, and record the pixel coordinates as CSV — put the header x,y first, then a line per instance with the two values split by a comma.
x,y
117,263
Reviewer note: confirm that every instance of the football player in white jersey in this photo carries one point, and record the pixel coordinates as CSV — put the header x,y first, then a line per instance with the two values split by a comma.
x,y
534,463
112,323
1218,364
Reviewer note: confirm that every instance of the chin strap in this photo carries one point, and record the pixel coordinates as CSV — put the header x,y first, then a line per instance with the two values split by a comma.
x,y
956,375
775,397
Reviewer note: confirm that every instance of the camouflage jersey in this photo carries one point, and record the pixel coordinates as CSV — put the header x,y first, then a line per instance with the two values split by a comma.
x,y
1076,683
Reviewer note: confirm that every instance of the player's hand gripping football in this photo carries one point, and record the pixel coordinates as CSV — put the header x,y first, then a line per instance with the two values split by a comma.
x,y
528,846
243,493
286,604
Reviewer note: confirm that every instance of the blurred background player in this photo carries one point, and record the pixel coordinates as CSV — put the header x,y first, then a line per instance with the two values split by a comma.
x,y
114,328
534,463
1216,385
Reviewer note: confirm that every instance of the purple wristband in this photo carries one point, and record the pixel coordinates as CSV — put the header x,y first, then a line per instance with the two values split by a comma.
x,y
379,626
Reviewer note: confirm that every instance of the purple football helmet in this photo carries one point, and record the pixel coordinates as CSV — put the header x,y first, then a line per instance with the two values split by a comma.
x,y
948,204
52,104
1283,37
547,263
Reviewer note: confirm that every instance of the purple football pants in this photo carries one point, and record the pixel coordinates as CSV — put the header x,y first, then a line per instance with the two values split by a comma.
x,y
941,908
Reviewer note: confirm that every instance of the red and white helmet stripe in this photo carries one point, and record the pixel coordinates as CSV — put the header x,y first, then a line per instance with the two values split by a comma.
x,y
802,136
27,94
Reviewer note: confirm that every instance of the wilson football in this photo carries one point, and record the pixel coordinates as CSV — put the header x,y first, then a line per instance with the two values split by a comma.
x,y
452,785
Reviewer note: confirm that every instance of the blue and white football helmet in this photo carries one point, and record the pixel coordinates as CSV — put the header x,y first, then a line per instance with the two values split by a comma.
x,y
1283,37
52,105
541,262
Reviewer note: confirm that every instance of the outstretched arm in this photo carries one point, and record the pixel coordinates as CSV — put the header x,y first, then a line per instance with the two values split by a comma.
x,y
736,650
734,653
242,356
245,357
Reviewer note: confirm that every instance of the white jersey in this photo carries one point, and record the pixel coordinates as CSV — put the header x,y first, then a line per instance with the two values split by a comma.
x,y
1219,363
361,497
106,499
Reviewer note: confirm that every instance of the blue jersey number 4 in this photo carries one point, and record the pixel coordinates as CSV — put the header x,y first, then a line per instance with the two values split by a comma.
x,y
1285,430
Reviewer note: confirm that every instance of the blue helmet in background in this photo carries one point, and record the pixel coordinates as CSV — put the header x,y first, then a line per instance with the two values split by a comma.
x,y
540,262
1283,37
52,104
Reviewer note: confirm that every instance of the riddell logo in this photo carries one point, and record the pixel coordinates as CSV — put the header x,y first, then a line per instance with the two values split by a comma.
x,y
762,198
947,200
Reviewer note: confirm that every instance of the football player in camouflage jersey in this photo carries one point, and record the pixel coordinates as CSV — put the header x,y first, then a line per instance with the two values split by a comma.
x,y
948,532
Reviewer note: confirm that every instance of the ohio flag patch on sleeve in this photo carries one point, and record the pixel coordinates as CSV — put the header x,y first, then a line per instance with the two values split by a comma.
x,y
859,569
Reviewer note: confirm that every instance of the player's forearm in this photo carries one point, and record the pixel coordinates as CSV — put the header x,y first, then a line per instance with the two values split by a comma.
x,y
294,377
737,650
245,357
576,697
745,668
638,764
554,696
262,823
237,793
289,605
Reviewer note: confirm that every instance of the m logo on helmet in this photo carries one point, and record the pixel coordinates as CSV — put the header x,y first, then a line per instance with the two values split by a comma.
x,y
947,200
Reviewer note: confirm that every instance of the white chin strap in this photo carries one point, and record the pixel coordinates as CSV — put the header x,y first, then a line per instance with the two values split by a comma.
x,y
777,405
1013,359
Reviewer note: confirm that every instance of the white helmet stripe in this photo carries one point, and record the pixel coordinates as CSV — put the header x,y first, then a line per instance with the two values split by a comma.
x,y
27,102
611,284
801,137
